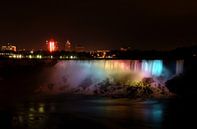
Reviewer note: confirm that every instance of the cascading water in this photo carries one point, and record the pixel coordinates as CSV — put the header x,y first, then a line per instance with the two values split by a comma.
x,y
179,66
74,74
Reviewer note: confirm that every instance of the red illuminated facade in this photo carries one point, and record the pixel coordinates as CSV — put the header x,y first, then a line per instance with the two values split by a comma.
x,y
52,45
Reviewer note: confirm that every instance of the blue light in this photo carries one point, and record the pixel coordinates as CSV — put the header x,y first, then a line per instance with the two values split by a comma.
x,y
154,67
157,67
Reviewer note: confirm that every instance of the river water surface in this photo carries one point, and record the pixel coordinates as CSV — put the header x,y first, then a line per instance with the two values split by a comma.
x,y
84,112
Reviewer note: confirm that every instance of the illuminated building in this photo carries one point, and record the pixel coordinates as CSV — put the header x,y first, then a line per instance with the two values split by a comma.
x,y
100,53
125,48
68,46
8,47
52,45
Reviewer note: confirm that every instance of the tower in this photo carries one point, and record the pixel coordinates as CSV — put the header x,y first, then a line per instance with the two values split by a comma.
x,y
51,45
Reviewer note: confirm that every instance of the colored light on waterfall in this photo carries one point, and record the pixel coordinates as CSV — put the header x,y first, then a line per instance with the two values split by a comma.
x,y
154,67
157,67
145,66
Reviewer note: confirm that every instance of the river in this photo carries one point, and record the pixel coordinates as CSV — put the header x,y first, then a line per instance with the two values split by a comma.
x,y
60,112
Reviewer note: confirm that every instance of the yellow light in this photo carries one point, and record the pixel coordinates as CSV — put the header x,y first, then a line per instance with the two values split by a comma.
x,y
39,56
31,116
41,109
19,56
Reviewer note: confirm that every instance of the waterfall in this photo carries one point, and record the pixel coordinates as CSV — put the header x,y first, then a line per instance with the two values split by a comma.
x,y
88,73
179,66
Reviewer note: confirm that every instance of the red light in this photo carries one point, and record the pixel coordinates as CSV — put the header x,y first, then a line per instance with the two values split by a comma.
x,y
51,45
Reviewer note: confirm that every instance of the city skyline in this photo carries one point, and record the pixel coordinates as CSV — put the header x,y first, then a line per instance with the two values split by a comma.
x,y
160,25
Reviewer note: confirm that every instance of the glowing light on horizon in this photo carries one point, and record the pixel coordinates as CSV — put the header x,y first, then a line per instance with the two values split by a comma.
x,y
51,46
39,56
30,56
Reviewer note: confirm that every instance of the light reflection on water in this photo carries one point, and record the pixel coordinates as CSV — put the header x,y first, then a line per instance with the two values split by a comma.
x,y
154,113
107,113
30,116
97,113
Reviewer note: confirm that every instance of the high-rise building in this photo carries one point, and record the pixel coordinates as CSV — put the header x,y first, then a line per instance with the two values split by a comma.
x,y
52,45
8,47
68,46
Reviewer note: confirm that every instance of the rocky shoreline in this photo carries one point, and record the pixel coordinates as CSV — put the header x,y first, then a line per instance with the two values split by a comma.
x,y
142,89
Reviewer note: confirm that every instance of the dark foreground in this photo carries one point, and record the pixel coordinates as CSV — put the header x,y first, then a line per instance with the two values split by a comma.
x,y
62,112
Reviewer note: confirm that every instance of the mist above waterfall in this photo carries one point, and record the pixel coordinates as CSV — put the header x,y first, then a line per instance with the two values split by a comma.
x,y
86,75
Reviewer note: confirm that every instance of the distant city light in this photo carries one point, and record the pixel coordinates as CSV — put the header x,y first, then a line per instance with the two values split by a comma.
x,y
19,56
31,51
51,45
41,109
30,56
39,57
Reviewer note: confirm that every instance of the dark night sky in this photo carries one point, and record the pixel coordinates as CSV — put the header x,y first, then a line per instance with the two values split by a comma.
x,y
99,24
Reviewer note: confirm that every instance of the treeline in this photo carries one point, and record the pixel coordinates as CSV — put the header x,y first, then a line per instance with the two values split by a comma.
x,y
178,53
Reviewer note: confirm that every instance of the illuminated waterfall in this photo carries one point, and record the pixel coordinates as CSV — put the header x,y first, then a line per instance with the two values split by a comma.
x,y
89,73
154,68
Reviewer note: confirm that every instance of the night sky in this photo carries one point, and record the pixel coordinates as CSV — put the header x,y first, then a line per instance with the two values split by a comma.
x,y
100,24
